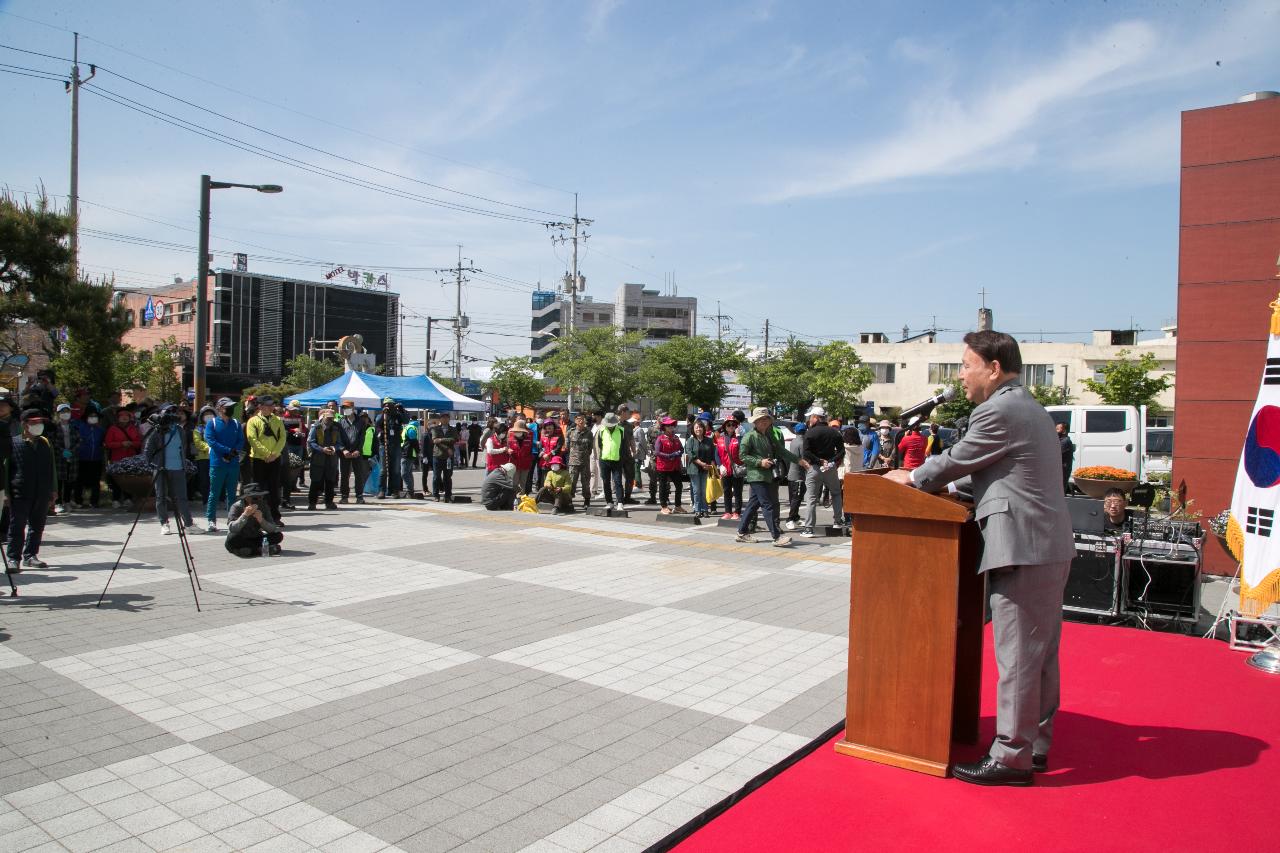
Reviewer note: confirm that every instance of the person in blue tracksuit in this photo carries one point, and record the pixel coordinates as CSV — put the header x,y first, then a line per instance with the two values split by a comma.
x,y
225,437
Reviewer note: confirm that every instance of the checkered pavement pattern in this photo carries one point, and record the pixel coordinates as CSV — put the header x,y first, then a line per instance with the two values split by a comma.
x,y
408,676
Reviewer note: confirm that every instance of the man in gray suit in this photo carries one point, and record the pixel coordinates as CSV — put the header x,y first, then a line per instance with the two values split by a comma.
x,y
1011,457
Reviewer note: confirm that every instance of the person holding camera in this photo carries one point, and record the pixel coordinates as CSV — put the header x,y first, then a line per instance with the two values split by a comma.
x,y
250,521
167,447
225,438
265,435
763,453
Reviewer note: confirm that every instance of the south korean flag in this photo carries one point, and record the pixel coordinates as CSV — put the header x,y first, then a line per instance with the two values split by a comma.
x,y
1253,533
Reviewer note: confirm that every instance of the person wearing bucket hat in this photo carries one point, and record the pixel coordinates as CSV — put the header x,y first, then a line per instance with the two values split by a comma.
x,y
520,443
762,454
498,491
667,452
729,459
250,522
557,488
30,487
609,449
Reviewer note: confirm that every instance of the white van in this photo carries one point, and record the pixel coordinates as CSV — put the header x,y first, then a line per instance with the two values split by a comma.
x,y
1104,435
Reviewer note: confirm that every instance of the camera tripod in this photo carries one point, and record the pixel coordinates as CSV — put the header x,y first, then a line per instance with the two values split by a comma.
x,y
4,554
188,558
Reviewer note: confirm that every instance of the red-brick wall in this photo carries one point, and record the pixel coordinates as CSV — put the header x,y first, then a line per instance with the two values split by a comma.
x,y
1228,242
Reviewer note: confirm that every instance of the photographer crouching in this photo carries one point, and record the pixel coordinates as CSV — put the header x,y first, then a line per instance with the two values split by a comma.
x,y
250,522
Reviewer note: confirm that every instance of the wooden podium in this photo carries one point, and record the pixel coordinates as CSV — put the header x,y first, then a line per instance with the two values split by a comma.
x,y
915,626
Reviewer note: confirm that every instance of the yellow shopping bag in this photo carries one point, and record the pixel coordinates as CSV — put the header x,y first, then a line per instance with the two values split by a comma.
x,y
527,504
715,488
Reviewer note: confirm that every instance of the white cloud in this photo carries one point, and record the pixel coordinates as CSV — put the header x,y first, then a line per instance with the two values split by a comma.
x,y
598,14
948,135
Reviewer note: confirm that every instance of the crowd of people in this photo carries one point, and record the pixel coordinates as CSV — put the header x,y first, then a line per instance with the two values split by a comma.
x,y
251,458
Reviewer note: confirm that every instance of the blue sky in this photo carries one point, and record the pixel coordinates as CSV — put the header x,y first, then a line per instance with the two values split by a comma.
x,y
834,167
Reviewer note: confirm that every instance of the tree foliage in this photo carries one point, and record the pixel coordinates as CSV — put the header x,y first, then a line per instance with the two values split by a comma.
x,y
39,285
785,378
303,372
157,372
1127,381
687,372
839,378
958,407
1050,395
515,382
599,361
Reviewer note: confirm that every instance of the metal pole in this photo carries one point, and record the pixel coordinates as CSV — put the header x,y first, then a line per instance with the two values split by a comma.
x,y
74,203
573,291
202,297
428,358
457,325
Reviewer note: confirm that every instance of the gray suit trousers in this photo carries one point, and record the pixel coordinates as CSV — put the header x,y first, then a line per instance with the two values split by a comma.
x,y
1026,618
814,480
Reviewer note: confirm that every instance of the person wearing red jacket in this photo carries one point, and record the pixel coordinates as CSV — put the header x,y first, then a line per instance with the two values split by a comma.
x,y
667,452
122,440
520,443
551,441
728,459
911,449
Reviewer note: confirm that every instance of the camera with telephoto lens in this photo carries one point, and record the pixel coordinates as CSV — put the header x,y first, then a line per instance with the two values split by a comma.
x,y
163,419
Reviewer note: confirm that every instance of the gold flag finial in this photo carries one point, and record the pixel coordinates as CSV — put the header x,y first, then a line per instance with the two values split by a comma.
x,y
1275,316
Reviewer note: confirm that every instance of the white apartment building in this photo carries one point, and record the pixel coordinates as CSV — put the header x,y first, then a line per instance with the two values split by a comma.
x,y
635,308
909,371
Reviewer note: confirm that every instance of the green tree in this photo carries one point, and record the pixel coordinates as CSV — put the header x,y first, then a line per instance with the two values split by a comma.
x,y
785,378
688,372
1127,382
958,407
515,382
159,371
302,372
599,361
39,285
448,382
1050,395
839,378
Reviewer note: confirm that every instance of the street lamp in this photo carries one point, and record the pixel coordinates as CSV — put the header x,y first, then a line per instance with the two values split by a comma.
x,y
202,277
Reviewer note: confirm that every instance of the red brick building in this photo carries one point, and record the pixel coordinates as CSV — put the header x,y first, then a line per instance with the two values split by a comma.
x,y
1229,238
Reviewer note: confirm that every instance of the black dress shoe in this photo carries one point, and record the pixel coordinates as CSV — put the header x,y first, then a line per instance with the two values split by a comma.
x,y
1039,763
988,771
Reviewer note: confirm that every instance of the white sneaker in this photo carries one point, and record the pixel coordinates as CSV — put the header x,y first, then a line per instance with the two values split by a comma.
x,y
790,525
618,506
212,528
165,529
809,534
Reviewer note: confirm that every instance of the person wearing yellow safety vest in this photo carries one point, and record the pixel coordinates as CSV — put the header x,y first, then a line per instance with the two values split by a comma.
x,y
610,441
264,434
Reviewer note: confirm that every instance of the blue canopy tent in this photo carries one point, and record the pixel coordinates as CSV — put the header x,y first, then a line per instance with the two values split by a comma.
x,y
368,389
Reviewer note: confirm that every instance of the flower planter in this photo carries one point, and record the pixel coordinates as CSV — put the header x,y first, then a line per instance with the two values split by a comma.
x,y
139,489
1098,488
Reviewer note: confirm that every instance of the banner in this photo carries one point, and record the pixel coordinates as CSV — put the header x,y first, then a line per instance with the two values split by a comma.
x,y
1252,534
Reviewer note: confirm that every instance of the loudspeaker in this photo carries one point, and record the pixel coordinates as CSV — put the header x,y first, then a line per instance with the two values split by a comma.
x,y
1166,587
1092,585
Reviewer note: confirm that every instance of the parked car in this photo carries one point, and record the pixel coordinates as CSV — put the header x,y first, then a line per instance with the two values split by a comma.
x,y
1106,435
1157,457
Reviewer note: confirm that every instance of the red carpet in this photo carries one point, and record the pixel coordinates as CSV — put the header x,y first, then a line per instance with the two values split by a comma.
x,y
1163,743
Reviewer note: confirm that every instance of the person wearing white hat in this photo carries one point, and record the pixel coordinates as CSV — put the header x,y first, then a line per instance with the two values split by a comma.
x,y
763,454
610,447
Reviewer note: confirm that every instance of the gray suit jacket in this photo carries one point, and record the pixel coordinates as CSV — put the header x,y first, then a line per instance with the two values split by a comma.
x,y
1011,455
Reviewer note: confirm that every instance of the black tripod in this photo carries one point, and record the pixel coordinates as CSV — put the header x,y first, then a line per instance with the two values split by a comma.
x,y
188,558
4,554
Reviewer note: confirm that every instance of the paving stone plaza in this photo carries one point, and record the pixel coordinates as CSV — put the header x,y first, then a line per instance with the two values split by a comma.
x,y
409,675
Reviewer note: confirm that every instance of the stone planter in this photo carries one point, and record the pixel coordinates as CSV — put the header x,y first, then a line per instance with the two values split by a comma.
x,y
139,489
1098,488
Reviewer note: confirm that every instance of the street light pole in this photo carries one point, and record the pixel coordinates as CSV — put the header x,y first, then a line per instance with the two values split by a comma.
x,y
202,279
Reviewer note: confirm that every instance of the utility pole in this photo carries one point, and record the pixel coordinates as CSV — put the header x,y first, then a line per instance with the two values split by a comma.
x,y
427,369
74,204
459,321
719,318
766,340
574,282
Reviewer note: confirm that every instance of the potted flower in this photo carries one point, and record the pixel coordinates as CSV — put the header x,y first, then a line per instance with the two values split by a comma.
x,y
1096,480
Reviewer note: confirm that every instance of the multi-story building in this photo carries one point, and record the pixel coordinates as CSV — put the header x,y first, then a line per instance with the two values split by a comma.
x,y
1228,239
258,322
907,372
634,308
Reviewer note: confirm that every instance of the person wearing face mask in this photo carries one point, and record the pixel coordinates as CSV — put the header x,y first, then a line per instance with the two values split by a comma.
x,y
557,488
885,455
122,440
264,433
31,485
66,453
167,447
353,460
870,442
325,443
225,438
89,468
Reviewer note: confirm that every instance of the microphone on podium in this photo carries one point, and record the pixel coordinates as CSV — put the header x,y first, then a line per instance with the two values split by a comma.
x,y
919,410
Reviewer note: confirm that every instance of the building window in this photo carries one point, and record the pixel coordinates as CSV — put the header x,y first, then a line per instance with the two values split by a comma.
x,y
128,316
633,311
944,371
588,317
884,371
1037,374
